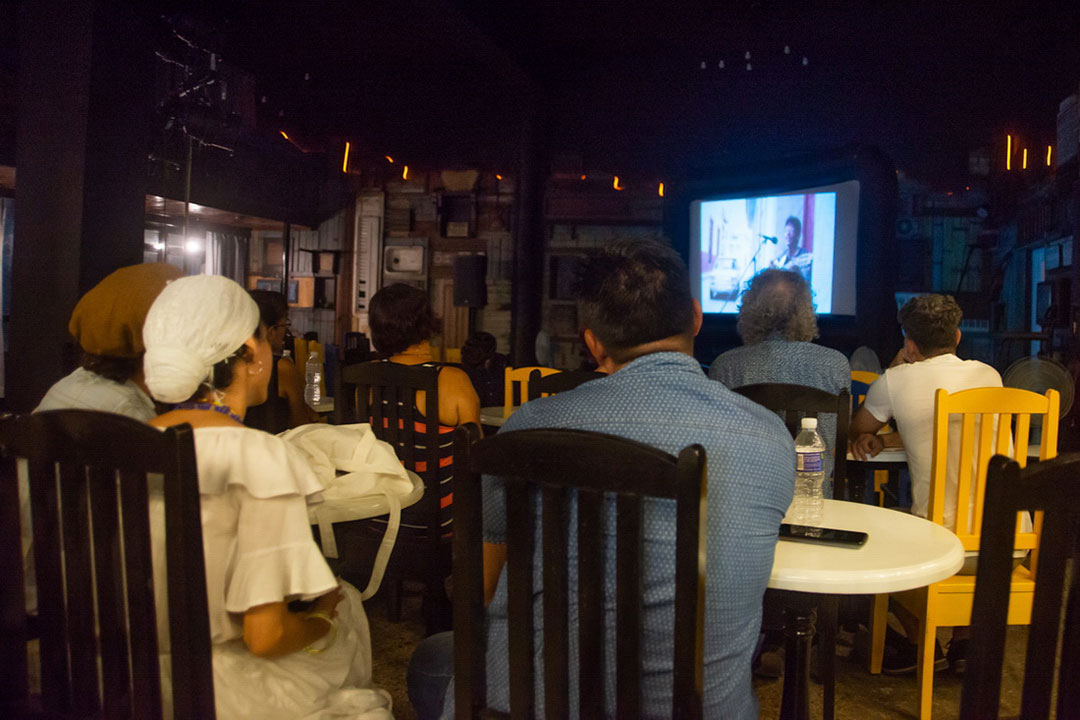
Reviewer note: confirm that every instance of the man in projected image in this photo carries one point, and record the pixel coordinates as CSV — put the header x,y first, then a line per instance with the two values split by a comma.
x,y
795,257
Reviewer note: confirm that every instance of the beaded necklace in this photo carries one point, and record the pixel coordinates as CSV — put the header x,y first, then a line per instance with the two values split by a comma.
x,y
223,409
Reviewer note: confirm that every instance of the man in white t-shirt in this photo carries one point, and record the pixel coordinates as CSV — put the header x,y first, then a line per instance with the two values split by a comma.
x,y
928,361
906,392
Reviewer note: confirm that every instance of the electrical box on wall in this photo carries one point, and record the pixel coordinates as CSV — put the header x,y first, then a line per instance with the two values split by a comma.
x,y
405,261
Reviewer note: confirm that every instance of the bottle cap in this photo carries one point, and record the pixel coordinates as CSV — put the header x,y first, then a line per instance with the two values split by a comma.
x,y
809,423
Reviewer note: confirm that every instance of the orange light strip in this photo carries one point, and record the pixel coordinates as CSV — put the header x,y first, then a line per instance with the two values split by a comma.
x,y
284,134
498,177
405,173
615,183
389,159
583,177
1049,150
1008,152
660,190
1025,159
345,161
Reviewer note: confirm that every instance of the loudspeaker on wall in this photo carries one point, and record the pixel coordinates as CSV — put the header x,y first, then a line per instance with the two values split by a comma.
x,y
470,285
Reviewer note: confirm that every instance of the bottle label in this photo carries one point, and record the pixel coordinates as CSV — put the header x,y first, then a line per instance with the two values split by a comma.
x,y
810,461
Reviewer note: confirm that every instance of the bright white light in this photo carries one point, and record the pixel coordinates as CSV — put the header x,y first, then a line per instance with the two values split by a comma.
x,y
193,245
195,207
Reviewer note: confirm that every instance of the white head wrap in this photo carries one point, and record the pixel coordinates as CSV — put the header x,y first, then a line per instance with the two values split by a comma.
x,y
195,323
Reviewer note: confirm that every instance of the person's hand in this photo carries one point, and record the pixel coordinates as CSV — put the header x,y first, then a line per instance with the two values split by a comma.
x,y
328,603
866,445
900,358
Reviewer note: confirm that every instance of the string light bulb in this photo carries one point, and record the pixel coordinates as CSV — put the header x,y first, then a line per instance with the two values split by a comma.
x,y
1008,152
405,173
660,190
615,184
1049,151
345,160
389,159
284,134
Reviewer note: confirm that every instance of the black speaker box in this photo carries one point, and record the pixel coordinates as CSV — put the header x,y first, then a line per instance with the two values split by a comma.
x,y
470,287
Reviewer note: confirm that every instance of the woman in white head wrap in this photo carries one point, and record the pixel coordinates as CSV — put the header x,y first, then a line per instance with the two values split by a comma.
x,y
207,353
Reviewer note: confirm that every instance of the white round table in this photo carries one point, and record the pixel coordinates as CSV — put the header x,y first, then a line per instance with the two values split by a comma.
x,y
901,552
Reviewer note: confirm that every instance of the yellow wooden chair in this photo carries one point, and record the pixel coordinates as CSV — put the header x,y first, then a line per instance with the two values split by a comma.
x,y
948,603
865,377
520,376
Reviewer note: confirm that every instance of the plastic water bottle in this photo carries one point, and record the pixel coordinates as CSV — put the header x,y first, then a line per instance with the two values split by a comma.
x,y
312,377
808,505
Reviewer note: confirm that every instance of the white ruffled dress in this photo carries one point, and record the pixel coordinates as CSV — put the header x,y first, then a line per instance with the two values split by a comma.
x,y
258,548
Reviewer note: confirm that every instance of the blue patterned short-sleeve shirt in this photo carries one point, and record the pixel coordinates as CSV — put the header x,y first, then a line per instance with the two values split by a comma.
x,y
665,400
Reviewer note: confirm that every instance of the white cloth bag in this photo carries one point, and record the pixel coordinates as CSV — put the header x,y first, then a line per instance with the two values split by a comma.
x,y
352,463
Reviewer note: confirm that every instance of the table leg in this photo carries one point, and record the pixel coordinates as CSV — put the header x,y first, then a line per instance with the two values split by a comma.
x,y
798,632
827,621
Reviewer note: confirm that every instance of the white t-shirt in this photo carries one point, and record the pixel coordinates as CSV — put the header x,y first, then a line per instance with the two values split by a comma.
x,y
906,392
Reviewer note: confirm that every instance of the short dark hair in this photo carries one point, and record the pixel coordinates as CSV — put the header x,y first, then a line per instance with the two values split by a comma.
x,y
632,293
401,317
778,303
931,322
795,223
273,307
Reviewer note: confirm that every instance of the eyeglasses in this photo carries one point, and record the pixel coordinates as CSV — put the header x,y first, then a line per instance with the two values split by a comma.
x,y
279,326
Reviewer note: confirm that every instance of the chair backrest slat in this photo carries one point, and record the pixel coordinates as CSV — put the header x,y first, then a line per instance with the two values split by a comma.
x,y
469,643
108,576
52,618
1053,488
556,603
590,543
628,607
98,648
555,466
520,524
1043,637
799,401
14,691
134,501
78,587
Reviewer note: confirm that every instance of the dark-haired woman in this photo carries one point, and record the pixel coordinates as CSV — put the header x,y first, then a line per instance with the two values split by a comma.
x,y
288,407
207,353
402,325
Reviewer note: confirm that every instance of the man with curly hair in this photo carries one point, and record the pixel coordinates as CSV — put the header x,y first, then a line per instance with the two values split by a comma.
x,y
777,324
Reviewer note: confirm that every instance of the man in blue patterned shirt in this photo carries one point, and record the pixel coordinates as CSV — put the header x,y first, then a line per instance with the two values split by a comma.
x,y
640,322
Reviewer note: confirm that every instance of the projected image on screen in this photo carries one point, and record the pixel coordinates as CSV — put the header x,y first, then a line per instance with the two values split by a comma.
x,y
736,238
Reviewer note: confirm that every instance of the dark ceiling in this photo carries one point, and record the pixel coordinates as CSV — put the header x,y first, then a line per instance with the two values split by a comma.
x,y
621,83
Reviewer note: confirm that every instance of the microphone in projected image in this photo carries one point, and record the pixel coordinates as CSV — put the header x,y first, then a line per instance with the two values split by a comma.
x,y
770,238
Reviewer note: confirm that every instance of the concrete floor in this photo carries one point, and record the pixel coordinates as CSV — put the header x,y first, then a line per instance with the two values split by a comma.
x,y
860,696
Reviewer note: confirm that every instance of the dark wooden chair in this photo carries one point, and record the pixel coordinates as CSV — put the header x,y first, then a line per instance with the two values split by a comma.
x,y
559,382
796,402
89,503
799,401
565,467
1051,487
384,394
